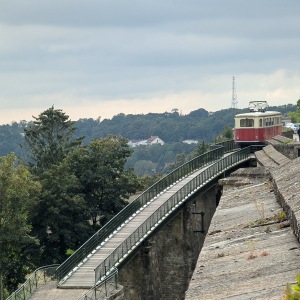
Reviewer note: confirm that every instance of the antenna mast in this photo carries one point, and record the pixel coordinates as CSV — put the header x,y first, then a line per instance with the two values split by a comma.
x,y
234,97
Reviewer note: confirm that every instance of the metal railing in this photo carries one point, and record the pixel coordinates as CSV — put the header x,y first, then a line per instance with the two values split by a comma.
x,y
228,146
105,288
107,230
208,174
39,277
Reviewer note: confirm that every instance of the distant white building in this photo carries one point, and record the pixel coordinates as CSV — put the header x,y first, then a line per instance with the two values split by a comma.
x,y
190,142
153,140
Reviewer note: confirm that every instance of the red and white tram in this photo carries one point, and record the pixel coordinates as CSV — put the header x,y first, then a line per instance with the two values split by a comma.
x,y
258,125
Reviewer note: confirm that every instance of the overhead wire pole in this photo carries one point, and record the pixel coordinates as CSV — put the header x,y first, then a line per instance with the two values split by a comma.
x,y
234,97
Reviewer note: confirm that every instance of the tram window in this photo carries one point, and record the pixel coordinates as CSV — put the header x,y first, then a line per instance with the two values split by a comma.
x,y
246,123
260,123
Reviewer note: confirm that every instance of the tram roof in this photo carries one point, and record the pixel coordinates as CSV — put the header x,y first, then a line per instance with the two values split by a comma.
x,y
259,114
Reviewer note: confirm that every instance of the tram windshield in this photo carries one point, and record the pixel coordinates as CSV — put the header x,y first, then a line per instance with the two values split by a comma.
x,y
246,122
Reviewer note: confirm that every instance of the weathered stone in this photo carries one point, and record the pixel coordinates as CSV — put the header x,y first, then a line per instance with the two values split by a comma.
x,y
248,255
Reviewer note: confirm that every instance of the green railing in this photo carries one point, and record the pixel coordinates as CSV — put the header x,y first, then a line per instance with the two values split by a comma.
x,y
39,277
228,146
107,230
105,288
208,174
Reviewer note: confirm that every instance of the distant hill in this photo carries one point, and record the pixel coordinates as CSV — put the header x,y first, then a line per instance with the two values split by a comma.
x,y
171,127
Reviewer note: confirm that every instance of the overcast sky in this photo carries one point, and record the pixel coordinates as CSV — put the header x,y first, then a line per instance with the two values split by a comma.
x,y
100,58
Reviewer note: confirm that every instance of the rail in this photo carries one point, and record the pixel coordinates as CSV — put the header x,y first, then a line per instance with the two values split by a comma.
x,y
39,277
208,174
104,233
103,289
229,146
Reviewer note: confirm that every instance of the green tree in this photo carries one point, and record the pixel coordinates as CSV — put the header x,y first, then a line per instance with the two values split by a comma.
x,y
17,194
105,182
295,116
201,149
144,167
50,138
226,135
11,138
60,219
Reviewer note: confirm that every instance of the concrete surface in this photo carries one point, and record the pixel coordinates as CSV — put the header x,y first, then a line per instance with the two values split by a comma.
x,y
248,253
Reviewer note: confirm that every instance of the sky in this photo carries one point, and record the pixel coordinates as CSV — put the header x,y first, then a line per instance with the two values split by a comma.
x,y
97,58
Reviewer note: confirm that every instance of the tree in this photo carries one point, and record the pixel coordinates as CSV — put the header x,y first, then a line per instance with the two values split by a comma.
x,y
17,194
50,138
60,219
227,133
295,116
104,181
144,167
201,149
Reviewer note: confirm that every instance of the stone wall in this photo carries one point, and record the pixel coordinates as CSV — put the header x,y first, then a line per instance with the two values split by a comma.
x,y
163,266
286,180
290,150
289,134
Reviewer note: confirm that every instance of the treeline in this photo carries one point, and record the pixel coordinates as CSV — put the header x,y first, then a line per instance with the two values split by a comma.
x,y
172,127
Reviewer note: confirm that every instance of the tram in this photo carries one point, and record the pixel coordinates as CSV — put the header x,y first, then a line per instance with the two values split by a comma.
x,y
258,125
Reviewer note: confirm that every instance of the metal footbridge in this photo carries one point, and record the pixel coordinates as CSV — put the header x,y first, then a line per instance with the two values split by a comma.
x,y
101,255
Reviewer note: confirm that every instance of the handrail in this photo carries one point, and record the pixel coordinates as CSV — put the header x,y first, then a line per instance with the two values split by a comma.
x,y
38,277
107,230
171,204
229,146
102,289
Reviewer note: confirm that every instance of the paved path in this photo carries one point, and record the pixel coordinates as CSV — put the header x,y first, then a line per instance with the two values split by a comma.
x,y
244,258
50,292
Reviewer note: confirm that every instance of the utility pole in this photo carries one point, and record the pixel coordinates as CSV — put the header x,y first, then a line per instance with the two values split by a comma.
x,y
234,97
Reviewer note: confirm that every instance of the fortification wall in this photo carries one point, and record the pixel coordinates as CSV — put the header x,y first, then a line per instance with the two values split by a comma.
x,y
286,181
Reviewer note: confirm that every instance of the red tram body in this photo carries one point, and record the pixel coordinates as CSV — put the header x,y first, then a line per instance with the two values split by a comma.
x,y
256,127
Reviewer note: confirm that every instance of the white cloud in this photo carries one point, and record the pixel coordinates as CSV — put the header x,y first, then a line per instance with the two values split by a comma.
x,y
140,56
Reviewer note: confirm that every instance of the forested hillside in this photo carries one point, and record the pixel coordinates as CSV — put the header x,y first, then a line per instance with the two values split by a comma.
x,y
171,127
